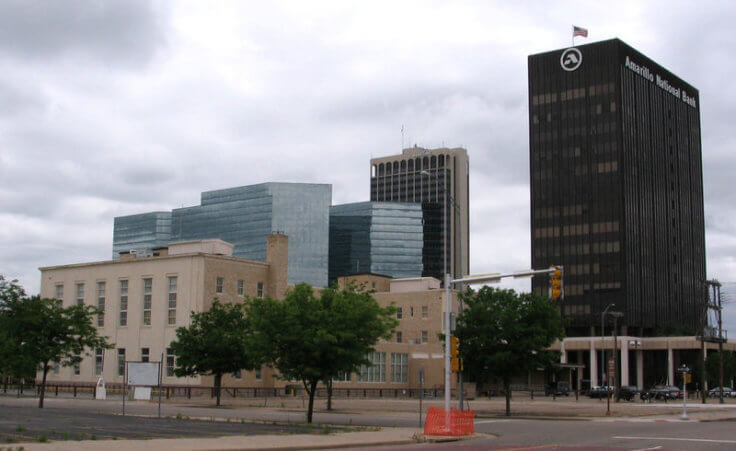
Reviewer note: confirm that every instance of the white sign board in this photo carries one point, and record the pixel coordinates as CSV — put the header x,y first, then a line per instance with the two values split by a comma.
x,y
143,373
142,393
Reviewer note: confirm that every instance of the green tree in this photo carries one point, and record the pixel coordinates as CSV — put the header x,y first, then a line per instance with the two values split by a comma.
x,y
313,338
216,342
40,332
504,334
712,368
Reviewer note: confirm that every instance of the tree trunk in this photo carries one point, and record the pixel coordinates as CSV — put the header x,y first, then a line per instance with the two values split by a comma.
x,y
218,383
43,385
507,389
311,390
329,394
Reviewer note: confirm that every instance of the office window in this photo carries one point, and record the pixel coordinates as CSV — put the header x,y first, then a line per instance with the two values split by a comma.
x,y
99,359
56,367
241,287
147,293
121,361
60,291
342,377
170,362
425,312
411,312
238,374
376,371
123,303
145,355
425,336
260,289
399,367
399,337
220,283
76,369
399,313
259,374
101,304
172,300
80,294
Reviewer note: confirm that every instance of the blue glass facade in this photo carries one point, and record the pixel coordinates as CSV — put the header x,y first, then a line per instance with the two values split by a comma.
x,y
246,215
377,237
143,231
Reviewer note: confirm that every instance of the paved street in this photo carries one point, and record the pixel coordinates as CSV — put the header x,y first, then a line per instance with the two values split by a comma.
x,y
655,426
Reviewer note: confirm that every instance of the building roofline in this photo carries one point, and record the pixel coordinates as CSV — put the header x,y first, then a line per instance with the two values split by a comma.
x,y
149,259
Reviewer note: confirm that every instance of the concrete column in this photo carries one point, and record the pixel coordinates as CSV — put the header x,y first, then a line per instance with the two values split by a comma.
x,y
670,365
579,372
593,364
563,353
640,369
624,361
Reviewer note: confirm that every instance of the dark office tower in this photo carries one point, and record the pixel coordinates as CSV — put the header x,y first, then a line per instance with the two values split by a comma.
x,y
617,186
438,180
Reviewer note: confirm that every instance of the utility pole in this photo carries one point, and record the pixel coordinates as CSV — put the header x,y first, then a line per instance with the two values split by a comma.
x,y
703,323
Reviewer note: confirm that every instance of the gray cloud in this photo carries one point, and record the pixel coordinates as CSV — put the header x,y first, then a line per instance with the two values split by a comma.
x,y
113,32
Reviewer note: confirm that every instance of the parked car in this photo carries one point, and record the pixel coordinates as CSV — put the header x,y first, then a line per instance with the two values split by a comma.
x,y
727,392
559,388
628,392
664,392
600,391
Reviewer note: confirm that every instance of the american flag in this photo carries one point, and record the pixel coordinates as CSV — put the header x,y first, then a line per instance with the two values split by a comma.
x,y
579,31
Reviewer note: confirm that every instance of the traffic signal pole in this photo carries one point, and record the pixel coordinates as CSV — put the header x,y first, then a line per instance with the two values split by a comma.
x,y
556,293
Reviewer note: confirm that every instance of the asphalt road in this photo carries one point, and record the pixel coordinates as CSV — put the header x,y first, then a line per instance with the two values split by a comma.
x,y
539,435
30,424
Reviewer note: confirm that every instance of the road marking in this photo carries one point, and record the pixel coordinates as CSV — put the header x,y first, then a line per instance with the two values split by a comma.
x,y
678,439
490,421
648,449
529,447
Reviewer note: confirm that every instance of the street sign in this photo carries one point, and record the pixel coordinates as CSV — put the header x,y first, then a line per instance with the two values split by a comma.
x,y
611,367
688,378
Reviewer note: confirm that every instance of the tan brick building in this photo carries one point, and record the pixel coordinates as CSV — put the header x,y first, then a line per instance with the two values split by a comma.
x,y
146,297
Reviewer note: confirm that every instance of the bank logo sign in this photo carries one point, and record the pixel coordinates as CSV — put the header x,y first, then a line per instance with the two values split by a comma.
x,y
571,59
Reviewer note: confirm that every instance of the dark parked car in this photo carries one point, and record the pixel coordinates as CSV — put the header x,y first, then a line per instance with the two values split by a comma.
x,y
600,391
560,388
664,392
628,392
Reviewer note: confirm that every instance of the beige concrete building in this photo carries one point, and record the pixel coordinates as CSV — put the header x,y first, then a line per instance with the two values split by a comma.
x,y
145,298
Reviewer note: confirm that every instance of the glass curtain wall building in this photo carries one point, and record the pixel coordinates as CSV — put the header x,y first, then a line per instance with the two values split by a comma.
x,y
245,216
376,237
143,232
617,186
438,180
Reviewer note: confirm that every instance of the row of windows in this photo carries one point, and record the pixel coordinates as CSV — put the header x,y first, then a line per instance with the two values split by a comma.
x,y
581,169
564,114
602,148
579,130
576,309
400,312
376,371
423,338
146,295
579,289
576,229
220,283
414,164
604,247
570,94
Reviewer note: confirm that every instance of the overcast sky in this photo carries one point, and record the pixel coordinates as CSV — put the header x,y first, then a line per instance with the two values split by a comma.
x,y
113,108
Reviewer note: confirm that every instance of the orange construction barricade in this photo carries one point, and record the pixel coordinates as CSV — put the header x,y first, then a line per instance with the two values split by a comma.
x,y
461,422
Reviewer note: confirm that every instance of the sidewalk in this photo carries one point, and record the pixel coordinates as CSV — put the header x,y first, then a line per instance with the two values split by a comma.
x,y
384,437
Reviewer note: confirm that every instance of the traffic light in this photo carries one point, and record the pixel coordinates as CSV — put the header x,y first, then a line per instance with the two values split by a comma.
x,y
455,354
556,291
454,346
